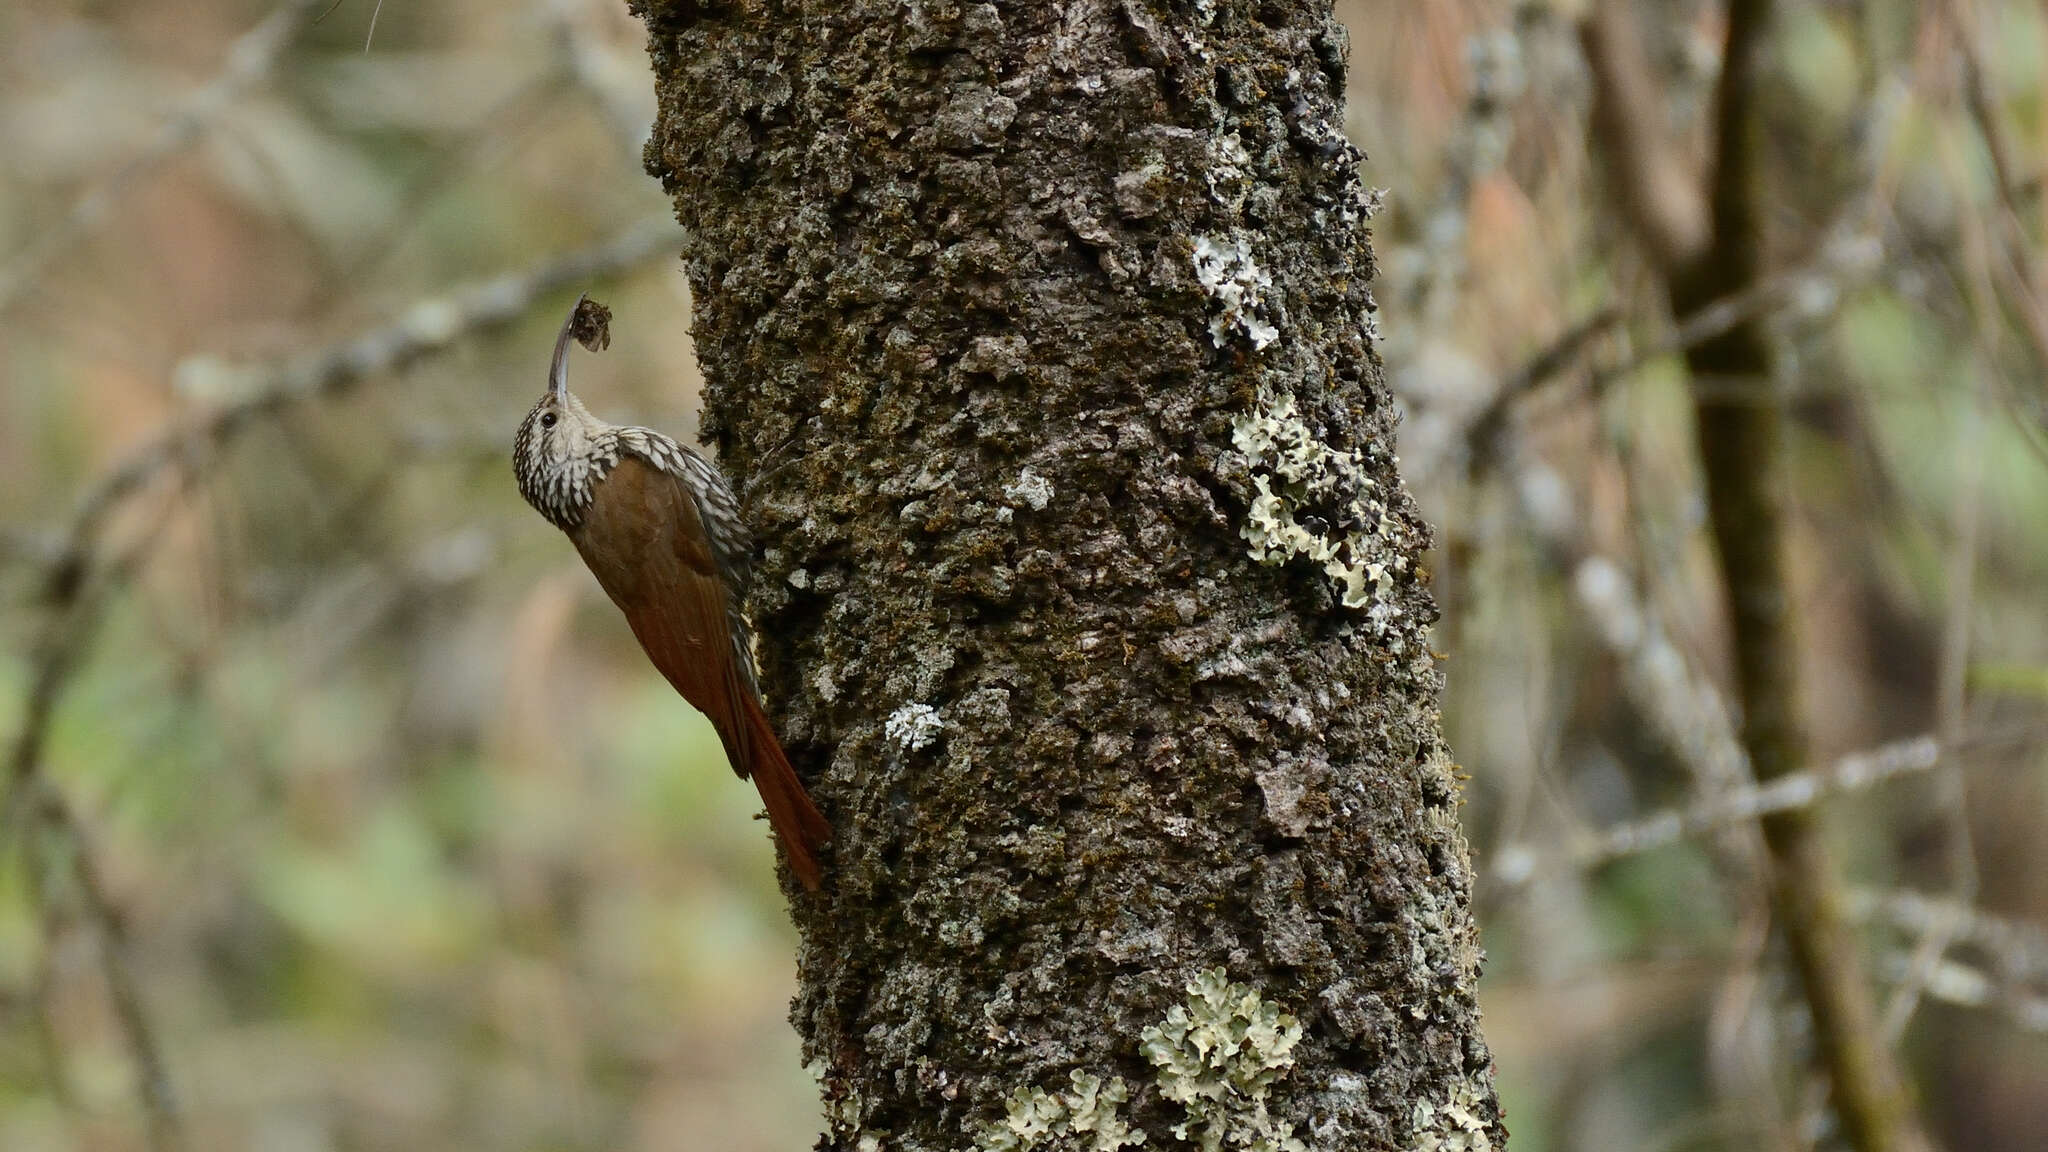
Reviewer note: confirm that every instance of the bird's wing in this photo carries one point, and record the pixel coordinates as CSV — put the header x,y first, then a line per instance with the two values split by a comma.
x,y
643,539
718,514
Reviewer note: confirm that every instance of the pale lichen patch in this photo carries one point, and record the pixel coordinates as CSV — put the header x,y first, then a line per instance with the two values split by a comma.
x,y
1236,287
913,726
1230,173
1313,502
842,1103
1217,1055
1457,1124
824,684
1029,490
1088,1118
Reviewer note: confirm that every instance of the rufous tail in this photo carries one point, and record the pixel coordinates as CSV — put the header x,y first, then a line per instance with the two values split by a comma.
x,y
797,822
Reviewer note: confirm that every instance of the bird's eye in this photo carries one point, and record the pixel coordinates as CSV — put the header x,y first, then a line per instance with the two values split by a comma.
x,y
547,419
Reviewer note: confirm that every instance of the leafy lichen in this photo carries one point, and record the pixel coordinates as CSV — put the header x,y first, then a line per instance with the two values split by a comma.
x,y
1030,490
913,726
1236,286
842,1103
1319,504
1218,1057
1456,1125
1090,1114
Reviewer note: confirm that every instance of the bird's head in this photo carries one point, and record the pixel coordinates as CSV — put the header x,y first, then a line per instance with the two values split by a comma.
x,y
556,454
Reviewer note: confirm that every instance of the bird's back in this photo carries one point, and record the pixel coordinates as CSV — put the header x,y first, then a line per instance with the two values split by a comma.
x,y
645,543
644,540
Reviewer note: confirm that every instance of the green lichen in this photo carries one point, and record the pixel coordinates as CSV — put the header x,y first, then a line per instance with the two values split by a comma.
x,y
1456,1125
1089,1117
1316,503
1218,1057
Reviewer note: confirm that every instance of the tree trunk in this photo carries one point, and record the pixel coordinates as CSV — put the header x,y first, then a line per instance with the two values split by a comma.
x,y
1090,600
1743,463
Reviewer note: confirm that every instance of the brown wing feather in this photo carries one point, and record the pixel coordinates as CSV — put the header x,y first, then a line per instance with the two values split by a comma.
x,y
643,540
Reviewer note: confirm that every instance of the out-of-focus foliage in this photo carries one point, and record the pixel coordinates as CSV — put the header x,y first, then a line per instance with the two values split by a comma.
x,y
409,848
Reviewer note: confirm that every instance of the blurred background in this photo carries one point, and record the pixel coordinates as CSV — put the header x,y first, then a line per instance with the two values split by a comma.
x,y
343,813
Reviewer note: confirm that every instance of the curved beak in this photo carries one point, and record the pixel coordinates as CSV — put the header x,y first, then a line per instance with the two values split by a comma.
x,y
558,371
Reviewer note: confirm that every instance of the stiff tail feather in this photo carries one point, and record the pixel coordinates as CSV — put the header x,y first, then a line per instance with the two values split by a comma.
x,y
797,822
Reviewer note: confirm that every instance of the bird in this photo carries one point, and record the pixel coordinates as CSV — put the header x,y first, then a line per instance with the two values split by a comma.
x,y
660,528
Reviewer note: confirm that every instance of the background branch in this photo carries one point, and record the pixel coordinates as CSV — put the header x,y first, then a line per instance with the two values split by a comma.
x,y
247,63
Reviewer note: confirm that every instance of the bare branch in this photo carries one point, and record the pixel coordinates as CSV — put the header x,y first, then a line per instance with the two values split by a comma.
x,y
60,646
428,327
153,1081
1652,184
1806,294
2013,955
2017,271
2018,950
249,60
1797,791
1483,433
1744,467
1967,986
1951,706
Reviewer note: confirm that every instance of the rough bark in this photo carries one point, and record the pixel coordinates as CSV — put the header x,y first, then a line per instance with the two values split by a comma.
x,y
1041,335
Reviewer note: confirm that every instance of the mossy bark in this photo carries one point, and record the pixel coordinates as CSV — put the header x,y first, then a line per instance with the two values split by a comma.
x,y
972,351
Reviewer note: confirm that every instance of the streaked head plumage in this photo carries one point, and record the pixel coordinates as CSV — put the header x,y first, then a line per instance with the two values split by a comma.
x,y
561,450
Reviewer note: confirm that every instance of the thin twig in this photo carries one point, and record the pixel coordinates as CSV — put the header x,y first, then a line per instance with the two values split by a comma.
x,y
1951,675
1809,292
2016,271
1516,864
428,327
1678,700
1744,469
249,60
2018,950
73,618
1968,986
1659,193
2011,972
1483,433
591,66
1681,706
497,132
152,1072
1797,791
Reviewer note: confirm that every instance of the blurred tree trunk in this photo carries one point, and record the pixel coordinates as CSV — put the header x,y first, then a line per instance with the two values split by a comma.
x,y
1743,462
1709,244
1033,330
